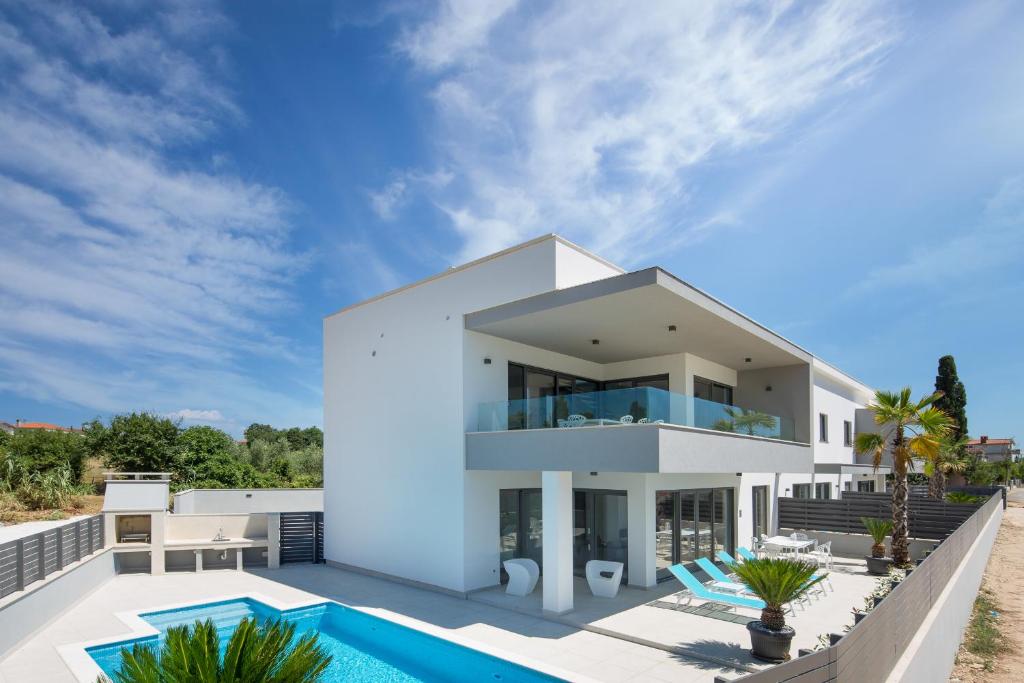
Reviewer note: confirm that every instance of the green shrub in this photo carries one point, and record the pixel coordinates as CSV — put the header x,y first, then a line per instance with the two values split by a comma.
x,y
964,497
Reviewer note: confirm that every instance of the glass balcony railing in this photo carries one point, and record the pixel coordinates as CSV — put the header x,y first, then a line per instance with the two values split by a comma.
x,y
629,406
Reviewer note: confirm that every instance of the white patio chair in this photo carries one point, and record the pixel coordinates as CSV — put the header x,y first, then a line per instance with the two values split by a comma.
x,y
522,576
626,419
823,555
643,421
604,586
575,420
562,423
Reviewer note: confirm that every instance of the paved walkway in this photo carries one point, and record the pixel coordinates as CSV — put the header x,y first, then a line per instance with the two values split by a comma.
x,y
583,655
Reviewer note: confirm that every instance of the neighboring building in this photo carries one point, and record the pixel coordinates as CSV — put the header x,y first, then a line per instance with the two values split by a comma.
x,y
543,402
7,427
995,450
46,427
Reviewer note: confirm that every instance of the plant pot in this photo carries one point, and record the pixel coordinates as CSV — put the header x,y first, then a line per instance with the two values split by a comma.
x,y
879,566
768,645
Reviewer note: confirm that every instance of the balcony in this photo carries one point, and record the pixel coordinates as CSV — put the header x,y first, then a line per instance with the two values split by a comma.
x,y
642,405
632,430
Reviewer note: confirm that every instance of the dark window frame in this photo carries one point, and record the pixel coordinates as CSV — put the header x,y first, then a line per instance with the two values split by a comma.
x,y
713,385
803,486
828,489
822,427
847,433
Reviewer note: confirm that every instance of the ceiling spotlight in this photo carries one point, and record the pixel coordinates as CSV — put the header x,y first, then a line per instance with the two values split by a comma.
x,y
671,328
595,342
746,360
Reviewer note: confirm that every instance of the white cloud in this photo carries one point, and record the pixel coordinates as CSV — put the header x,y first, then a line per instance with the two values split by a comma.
x,y
973,254
196,415
590,118
121,257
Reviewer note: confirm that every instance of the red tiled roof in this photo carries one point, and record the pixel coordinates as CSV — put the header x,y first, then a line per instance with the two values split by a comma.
x,y
46,425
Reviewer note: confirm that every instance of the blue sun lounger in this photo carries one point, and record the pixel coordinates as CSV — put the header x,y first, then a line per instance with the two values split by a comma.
x,y
746,554
722,582
695,589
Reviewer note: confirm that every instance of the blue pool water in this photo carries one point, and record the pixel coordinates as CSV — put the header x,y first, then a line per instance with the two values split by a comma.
x,y
364,647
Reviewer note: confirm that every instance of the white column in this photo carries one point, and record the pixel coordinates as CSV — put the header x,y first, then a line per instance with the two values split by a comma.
x,y
157,538
238,558
642,537
273,540
199,560
556,513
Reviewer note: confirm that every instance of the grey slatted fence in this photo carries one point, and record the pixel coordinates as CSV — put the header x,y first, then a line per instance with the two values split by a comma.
x,y
871,649
930,519
302,537
32,558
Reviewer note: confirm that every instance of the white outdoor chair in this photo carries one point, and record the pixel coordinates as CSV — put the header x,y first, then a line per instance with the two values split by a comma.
x,y
626,419
643,421
604,586
575,420
522,576
823,555
797,536
562,424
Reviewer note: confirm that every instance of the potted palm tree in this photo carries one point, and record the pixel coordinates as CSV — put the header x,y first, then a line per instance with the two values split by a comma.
x,y
951,458
777,582
907,429
267,652
878,563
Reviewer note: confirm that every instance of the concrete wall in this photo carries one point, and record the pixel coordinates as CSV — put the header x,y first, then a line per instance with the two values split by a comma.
x,y
216,501
931,654
240,525
133,494
36,607
790,395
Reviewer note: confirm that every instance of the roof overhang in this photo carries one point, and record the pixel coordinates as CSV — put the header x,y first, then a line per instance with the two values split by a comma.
x,y
839,468
630,315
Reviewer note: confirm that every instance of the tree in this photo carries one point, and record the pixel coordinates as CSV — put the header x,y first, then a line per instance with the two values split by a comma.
x,y
260,432
950,459
953,402
136,442
255,653
913,429
37,451
196,446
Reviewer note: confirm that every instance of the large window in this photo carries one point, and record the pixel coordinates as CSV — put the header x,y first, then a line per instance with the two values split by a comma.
x,y
801,490
600,527
867,486
823,427
539,398
823,490
712,391
693,523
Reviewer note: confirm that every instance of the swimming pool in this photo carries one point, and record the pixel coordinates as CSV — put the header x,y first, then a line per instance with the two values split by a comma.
x,y
364,647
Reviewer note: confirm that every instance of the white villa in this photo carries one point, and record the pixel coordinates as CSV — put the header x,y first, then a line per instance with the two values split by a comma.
x,y
544,403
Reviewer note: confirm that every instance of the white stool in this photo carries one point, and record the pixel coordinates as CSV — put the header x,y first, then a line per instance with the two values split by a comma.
x,y
603,586
522,576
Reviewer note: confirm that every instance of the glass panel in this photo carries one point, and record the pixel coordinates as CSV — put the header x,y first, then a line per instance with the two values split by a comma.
x,y
540,391
723,518
664,503
548,400
610,528
532,527
823,490
721,394
704,540
516,394
581,532
508,521
801,490
701,389
760,511
654,383
687,550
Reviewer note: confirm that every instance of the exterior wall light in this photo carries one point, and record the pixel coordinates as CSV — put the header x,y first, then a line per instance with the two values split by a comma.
x,y
671,328
595,342
768,388
487,361
746,360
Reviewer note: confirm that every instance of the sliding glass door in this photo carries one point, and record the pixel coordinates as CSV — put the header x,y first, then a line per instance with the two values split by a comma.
x,y
693,523
600,527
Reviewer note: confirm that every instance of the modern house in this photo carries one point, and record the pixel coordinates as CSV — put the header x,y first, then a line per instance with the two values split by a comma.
x,y
542,402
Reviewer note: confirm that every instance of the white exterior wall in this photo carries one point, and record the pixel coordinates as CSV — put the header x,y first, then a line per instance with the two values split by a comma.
x,y
395,421
218,501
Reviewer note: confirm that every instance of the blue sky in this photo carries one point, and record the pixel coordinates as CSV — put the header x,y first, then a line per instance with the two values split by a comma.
x,y
186,189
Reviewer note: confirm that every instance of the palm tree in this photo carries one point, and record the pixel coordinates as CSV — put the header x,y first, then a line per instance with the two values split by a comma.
x,y
878,529
913,429
256,653
951,458
777,582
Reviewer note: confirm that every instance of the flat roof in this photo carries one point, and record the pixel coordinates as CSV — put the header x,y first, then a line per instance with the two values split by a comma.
x,y
630,315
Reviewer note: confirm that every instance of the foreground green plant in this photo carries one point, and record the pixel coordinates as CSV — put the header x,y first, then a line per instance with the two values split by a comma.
x,y
964,497
878,529
256,653
984,639
777,582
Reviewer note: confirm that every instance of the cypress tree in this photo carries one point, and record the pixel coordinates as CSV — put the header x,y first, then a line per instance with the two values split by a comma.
x,y
954,400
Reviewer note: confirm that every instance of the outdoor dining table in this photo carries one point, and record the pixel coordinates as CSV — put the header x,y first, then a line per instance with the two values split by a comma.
x,y
789,544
